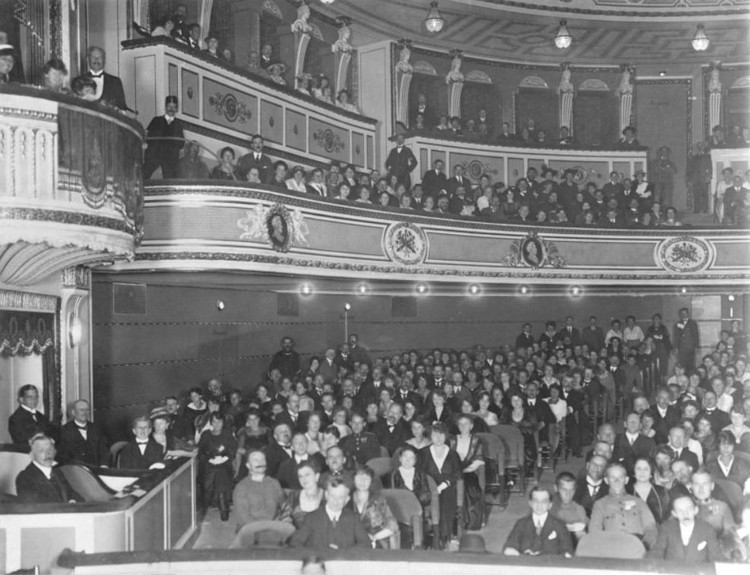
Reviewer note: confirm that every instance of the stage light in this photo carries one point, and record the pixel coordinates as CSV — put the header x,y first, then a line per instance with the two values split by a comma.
x,y
347,306
421,288
362,289
575,291
683,290
524,290
730,298
474,289
306,289
220,305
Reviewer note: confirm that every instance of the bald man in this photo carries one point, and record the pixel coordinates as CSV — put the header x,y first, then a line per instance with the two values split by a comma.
x,y
80,440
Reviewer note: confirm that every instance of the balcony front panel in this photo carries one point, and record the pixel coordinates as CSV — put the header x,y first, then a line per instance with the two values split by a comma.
x,y
222,104
240,227
70,184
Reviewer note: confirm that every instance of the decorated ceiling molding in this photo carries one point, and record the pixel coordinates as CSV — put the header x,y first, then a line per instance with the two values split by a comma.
x,y
522,31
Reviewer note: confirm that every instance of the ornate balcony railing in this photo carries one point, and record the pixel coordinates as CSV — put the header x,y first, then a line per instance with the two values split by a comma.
x,y
70,184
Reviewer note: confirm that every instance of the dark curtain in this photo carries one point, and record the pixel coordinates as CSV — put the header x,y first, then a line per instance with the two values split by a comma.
x,y
436,91
222,24
475,96
319,59
595,118
540,105
737,109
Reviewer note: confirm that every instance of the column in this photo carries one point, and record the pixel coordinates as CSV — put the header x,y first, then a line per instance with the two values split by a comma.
x,y
301,28
404,73
455,81
714,96
75,336
342,48
565,92
625,92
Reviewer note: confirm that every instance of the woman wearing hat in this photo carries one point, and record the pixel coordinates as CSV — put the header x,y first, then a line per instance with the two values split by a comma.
x,y
297,182
276,72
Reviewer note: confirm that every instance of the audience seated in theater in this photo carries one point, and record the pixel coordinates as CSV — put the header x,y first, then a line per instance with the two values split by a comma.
x,y
41,482
592,487
256,158
540,532
26,421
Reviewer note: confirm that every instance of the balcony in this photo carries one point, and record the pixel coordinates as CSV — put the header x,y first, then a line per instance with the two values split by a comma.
x,y
70,184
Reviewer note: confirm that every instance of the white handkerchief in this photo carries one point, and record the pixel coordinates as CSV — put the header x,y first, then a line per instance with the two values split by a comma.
x,y
701,546
552,535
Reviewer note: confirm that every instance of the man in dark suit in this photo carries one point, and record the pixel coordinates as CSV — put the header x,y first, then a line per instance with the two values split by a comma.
x,y
539,533
458,179
665,416
540,409
255,159
344,357
677,443
613,189
569,331
686,340
593,487
328,369
278,450
287,474
719,419
593,335
80,440
332,526
427,112
401,162
143,451
435,179
25,422
525,339
632,444
109,88
358,352
686,538
165,140
40,482
360,445
291,415
286,360
392,432
576,419
505,137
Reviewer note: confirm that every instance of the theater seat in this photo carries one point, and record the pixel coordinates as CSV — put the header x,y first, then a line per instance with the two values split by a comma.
x,y
274,533
382,466
610,545
733,492
12,462
406,509
85,483
114,453
514,455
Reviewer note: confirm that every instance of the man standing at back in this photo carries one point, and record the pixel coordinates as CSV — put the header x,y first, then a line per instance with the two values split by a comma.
x,y
165,138
27,421
686,340
108,87
401,162
255,159
286,360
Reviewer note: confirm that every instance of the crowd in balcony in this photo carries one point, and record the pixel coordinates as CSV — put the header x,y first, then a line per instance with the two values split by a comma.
x,y
323,453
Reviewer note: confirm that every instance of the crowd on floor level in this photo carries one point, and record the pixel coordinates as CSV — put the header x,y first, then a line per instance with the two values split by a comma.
x,y
320,455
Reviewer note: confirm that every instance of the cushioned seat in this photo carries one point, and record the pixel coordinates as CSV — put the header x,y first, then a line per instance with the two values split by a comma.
x,y
610,545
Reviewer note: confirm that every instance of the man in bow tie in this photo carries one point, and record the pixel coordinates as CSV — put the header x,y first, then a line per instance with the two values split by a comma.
x,y
255,159
401,162
280,449
392,432
143,451
41,482
109,88
593,487
426,111
80,440
27,421
165,138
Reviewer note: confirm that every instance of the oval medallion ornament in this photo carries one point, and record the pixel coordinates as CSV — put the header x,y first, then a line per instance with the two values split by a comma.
x,y
685,254
405,243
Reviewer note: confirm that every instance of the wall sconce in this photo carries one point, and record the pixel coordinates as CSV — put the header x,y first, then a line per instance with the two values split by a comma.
x,y
75,330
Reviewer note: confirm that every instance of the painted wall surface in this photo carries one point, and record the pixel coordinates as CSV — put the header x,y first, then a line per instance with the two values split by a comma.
x,y
183,339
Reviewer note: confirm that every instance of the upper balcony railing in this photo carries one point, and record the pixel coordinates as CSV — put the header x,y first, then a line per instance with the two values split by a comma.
x,y
70,184
223,104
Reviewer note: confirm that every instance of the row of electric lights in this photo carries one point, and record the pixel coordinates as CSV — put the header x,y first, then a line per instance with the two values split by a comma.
x,y
435,22
422,288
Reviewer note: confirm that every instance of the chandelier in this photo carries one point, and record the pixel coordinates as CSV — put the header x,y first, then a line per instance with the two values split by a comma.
x,y
563,39
434,21
700,40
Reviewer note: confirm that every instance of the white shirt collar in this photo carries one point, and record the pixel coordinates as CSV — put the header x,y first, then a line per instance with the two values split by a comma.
x,y
46,470
333,516
686,532
539,519
31,411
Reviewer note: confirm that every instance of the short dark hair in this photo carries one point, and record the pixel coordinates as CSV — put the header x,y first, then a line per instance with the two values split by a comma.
x,y
24,388
55,64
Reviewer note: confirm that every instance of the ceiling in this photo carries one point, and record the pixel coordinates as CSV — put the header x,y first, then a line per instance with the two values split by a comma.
x,y
604,31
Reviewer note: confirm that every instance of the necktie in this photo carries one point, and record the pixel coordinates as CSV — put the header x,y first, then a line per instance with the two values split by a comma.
x,y
632,440
391,428
169,120
257,157
33,414
594,489
538,524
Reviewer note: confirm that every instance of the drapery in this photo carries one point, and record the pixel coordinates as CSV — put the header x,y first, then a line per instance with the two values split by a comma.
x,y
26,333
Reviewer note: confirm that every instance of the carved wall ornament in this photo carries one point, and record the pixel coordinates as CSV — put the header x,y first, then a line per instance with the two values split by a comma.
x,y
277,225
534,252
272,8
404,56
593,85
329,141
228,106
405,243
685,254
422,67
533,82
78,277
478,76
343,43
455,75
302,24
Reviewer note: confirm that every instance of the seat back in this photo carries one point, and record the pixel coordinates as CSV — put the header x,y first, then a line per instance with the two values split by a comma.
x,y
114,453
266,533
494,448
384,451
382,466
406,509
610,544
434,501
85,483
513,441
12,462
733,492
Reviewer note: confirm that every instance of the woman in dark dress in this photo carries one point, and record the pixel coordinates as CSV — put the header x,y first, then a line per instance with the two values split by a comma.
x,y
195,408
655,496
310,497
441,463
216,450
253,436
469,449
527,424
439,412
409,476
226,169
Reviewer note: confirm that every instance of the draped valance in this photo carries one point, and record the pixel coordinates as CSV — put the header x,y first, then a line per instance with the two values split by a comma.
x,y
26,333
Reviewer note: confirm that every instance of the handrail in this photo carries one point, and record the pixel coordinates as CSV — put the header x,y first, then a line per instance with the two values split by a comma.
x,y
141,42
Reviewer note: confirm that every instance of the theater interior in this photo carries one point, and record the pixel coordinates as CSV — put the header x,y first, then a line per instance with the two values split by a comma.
x,y
139,261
